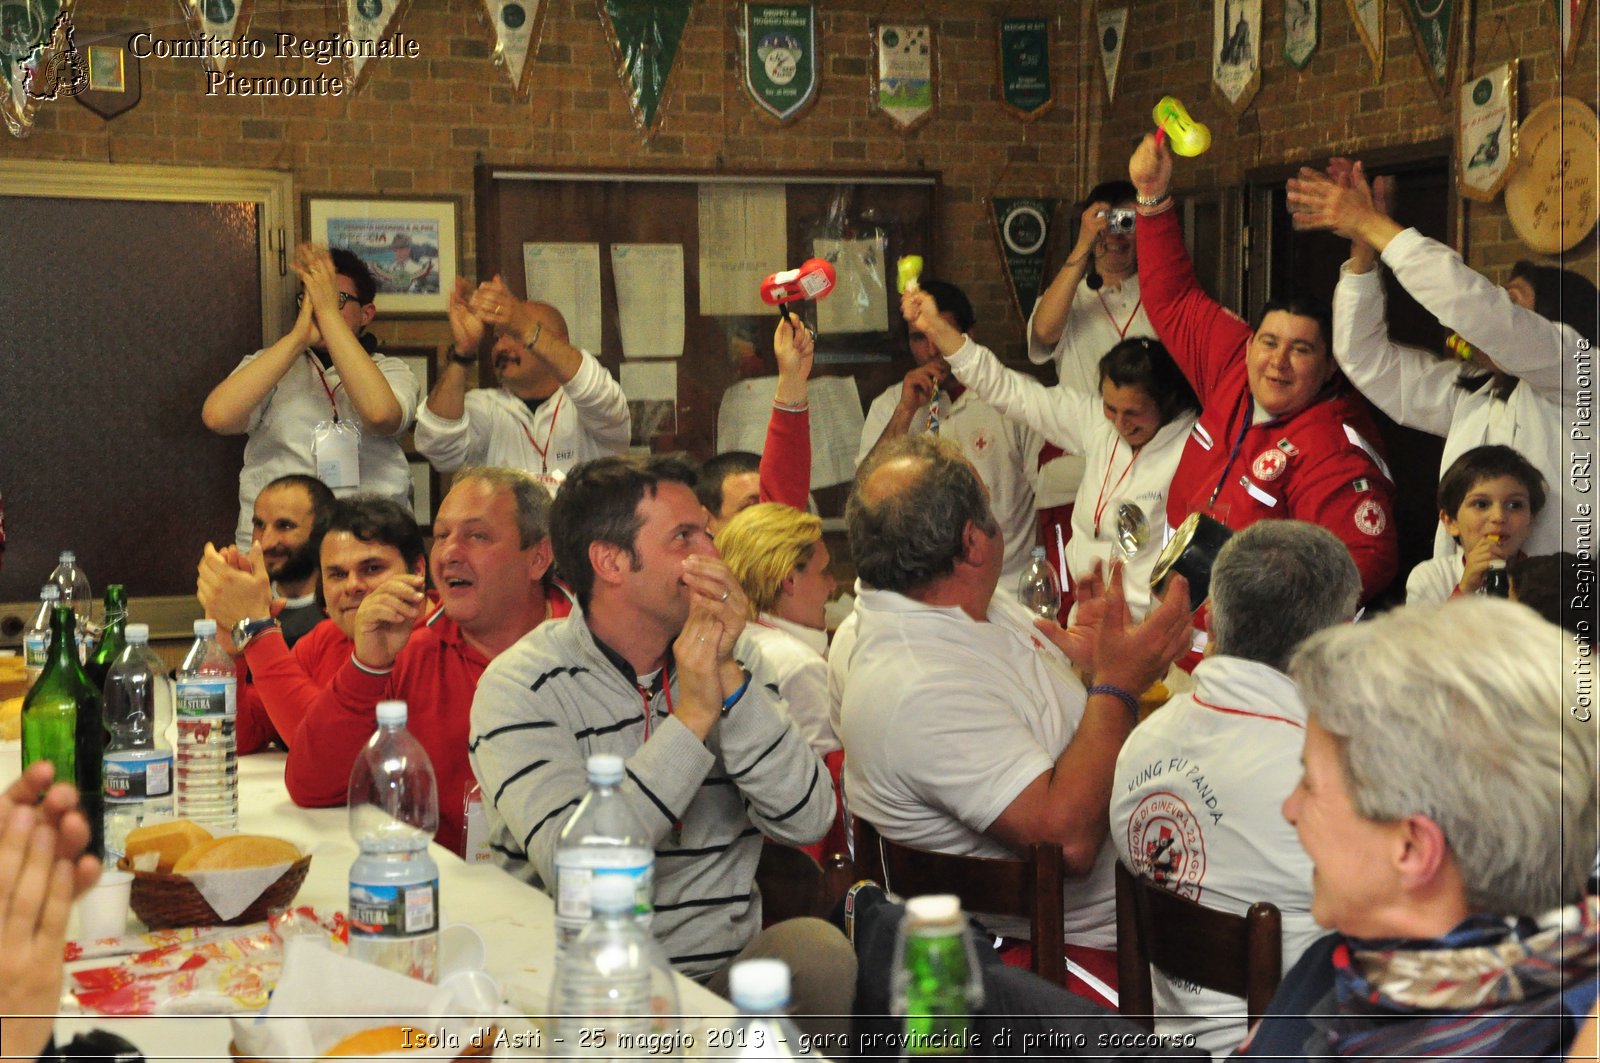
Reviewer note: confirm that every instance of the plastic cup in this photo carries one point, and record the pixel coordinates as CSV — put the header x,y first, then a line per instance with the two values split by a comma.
x,y
461,949
103,910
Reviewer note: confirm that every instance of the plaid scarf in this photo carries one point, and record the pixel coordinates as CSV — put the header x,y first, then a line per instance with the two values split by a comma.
x,y
1490,987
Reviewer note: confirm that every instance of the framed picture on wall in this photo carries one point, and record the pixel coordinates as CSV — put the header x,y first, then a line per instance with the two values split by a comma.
x,y
411,245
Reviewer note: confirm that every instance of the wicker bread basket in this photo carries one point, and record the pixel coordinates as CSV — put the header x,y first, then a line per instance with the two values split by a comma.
x,y
163,900
483,1047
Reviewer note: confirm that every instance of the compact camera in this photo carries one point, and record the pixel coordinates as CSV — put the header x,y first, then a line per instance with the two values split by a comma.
x,y
1118,221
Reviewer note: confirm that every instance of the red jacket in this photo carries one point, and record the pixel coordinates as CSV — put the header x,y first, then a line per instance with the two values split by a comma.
x,y
436,675
1322,465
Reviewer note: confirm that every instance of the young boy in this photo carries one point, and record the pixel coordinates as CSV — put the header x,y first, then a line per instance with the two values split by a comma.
x,y
1487,501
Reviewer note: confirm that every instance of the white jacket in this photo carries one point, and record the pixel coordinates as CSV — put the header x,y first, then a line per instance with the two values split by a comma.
x,y
1076,423
585,418
1418,390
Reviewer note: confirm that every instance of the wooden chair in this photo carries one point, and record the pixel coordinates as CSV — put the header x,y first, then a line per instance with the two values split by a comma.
x,y
793,884
1029,889
1241,955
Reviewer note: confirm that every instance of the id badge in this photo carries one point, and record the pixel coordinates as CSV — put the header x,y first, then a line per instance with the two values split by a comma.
x,y
336,453
477,828
552,480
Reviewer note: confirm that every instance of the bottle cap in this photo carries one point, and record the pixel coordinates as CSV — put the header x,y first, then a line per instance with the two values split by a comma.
x,y
605,768
205,627
136,634
934,909
68,557
391,713
49,592
759,985
611,892
1036,552
1498,564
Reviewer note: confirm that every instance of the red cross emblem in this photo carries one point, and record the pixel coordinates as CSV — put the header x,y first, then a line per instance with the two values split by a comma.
x,y
980,442
1269,464
1370,517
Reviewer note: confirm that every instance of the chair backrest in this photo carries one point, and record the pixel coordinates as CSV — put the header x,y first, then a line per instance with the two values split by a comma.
x,y
1029,888
1241,955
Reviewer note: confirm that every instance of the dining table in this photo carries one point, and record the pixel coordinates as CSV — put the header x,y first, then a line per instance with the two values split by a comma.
x,y
514,919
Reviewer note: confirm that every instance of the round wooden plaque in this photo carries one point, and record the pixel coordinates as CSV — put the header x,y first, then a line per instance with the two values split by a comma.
x,y
1551,197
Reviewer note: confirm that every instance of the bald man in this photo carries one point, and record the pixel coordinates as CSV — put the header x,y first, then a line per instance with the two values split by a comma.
x,y
556,405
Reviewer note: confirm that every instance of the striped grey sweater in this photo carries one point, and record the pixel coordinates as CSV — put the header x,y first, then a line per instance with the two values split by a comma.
x,y
552,699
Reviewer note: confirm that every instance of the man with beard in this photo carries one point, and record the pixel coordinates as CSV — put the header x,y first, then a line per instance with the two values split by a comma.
x,y
291,515
319,401
556,405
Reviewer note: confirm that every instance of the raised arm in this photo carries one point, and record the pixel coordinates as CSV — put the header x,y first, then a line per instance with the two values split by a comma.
x,y
1050,313
448,398
375,402
227,409
1203,338
785,474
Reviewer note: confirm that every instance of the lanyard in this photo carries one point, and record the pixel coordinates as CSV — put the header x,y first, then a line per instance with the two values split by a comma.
x,y
1122,329
1237,443
644,696
1101,502
323,378
544,462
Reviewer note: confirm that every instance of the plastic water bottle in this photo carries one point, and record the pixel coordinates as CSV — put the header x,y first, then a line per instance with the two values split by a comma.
x,y
604,837
208,768
138,763
613,996
937,985
394,883
1039,590
760,990
36,642
73,583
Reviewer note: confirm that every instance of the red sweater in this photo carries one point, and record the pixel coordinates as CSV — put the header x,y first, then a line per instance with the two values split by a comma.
x,y
436,675
1307,466
278,684
786,459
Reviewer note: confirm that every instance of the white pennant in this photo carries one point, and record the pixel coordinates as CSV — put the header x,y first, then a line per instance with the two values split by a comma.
x,y
1112,29
516,33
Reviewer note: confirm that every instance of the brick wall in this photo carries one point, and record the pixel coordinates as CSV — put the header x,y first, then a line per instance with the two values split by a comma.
x,y
419,125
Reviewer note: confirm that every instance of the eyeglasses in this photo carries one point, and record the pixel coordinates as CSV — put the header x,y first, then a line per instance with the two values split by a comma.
x,y
345,299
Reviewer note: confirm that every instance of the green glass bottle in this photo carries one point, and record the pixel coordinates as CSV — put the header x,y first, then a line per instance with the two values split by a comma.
x,y
937,986
113,640
61,723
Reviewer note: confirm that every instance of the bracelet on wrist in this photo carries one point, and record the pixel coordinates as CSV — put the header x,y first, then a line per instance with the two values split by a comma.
x,y
532,342
791,407
464,359
733,699
1129,701
1152,201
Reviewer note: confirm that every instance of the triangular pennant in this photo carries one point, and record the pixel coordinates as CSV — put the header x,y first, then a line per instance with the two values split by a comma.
x,y
1111,28
1236,51
1486,129
1302,31
1368,17
1433,27
780,58
1022,225
1569,21
219,26
644,36
39,60
367,21
516,36
904,81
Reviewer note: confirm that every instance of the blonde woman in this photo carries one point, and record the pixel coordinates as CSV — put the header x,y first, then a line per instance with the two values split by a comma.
x,y
777,554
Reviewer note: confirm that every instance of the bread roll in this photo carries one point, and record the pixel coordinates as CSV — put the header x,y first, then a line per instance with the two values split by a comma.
x,y
170,839
235,851
379,1040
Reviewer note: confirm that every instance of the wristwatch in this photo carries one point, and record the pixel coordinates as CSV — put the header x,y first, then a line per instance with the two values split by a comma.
x,y
245,630
463,359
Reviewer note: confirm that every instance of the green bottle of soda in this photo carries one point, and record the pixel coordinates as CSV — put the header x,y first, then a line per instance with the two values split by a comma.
x,y
113,640
61,723
937,986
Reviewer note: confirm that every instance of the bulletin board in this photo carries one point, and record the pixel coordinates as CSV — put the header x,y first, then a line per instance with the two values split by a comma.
x,y
895,212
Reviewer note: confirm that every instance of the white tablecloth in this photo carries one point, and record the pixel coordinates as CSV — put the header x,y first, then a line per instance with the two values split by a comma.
x,y
514,919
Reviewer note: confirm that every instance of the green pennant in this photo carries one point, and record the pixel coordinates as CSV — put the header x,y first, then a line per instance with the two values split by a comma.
x,y
644,36
1022,226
